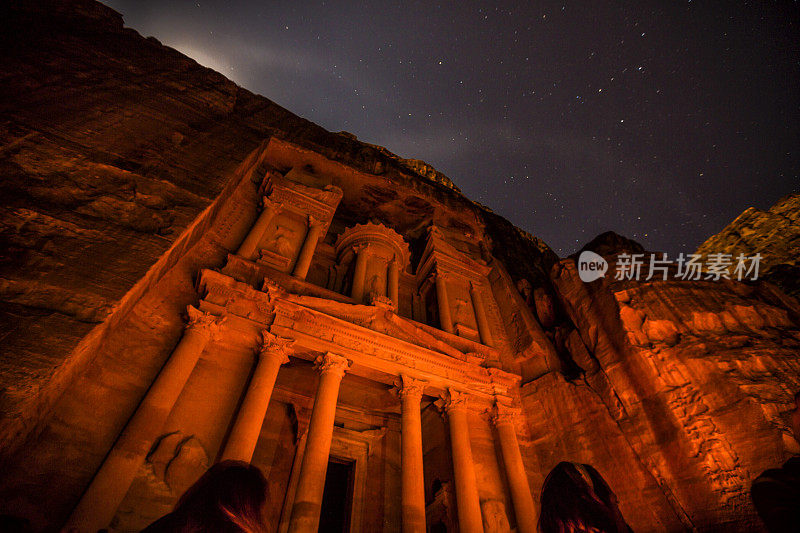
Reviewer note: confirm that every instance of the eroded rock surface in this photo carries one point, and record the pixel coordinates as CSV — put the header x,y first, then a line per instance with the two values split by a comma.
x,y
775,234
132,175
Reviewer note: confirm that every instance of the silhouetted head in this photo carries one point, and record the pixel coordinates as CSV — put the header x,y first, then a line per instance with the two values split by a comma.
x,y
229,497
575,498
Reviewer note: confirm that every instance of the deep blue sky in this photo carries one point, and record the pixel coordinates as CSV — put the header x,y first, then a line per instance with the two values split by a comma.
x,y
661,121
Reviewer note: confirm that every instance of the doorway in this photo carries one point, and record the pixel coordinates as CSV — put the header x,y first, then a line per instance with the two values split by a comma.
x,y
337,498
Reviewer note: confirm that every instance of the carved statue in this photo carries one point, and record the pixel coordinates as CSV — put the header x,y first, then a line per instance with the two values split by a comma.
x,y
461,316
494,517
281,242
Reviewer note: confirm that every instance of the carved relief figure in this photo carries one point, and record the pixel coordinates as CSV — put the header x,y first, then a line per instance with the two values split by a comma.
x,y
461,314
281,242
375,286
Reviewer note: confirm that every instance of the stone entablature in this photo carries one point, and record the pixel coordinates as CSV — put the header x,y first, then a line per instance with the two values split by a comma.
x,y
375,355
325,300
303,200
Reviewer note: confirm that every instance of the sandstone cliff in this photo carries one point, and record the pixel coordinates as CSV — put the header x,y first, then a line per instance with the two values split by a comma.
x,y
775,234
128,168
110,145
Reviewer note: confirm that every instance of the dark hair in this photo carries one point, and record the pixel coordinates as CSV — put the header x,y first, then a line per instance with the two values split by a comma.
x,y
575,497
229,497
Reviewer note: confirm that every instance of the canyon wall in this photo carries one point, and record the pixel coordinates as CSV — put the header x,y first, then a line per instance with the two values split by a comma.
x,y
128,169
774,233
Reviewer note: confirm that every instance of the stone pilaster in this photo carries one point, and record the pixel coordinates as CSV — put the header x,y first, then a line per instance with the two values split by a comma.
x,y
311,483
393,281
99,502
443,301
307,251
412,476
468,503
524,508
360,273
248,247
272,353
484,330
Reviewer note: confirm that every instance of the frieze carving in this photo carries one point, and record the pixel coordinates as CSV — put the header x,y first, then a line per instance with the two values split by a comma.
x,y
303,204
290,316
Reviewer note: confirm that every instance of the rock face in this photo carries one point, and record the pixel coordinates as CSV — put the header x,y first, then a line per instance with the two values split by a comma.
x,y
138,183
775,234
111,145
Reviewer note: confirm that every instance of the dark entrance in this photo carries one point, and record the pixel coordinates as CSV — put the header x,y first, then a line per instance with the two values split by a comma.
x,y
337,499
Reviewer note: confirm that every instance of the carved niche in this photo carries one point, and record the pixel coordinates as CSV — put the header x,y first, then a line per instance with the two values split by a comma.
x,y
298,207
452,290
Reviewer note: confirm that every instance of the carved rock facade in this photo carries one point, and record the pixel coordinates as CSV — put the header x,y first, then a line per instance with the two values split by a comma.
x,y
252,287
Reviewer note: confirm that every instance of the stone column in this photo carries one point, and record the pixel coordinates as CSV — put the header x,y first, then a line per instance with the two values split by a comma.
x,y
359,273
412,476
311,484
524,509
248,247
480,315
445,319
469,508
99,502
393,276
243,438
307,251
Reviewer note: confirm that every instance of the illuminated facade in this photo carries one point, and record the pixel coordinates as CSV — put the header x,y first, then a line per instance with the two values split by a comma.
x,y
342,323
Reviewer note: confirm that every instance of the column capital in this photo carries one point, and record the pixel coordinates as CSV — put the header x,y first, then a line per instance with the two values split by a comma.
x,y
330,362
274,346
269,203
453,400
362,248
503,414
407,387
204,323
314,222
440,276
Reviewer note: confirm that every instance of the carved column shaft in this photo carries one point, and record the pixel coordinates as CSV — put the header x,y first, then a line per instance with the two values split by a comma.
x,y
307,251
524,508
99,503
311,484
469,508
244,435
393,276
412,474
359,274
291,488
248,247
442,299
480,316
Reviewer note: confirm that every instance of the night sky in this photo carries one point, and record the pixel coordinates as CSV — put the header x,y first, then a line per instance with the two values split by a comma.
x,y
661,121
